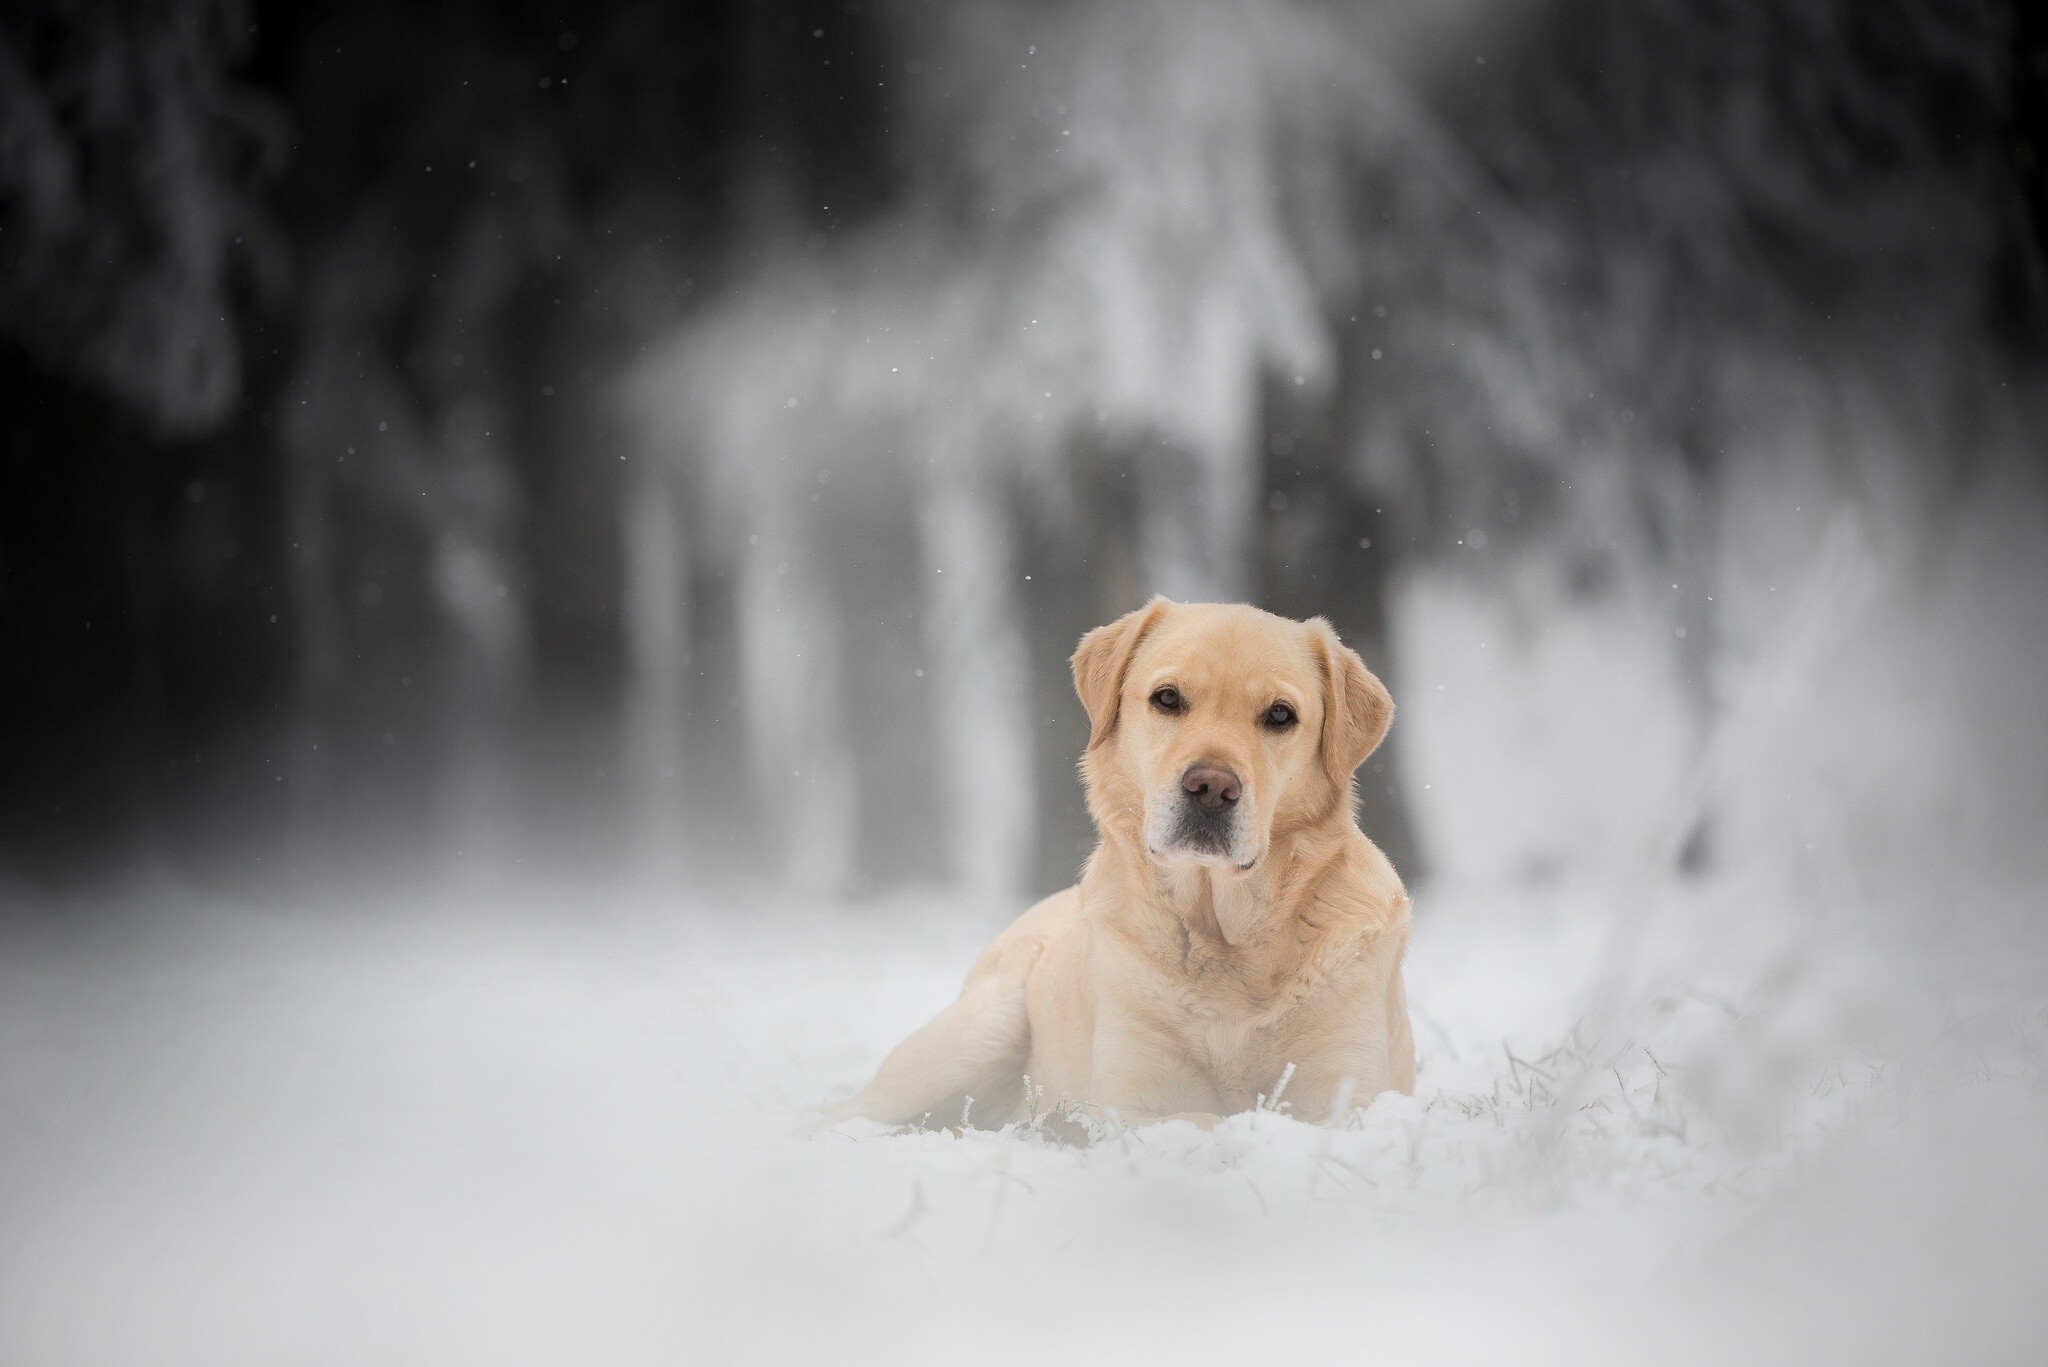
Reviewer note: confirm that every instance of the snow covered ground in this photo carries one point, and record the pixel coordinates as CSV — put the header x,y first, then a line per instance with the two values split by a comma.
x,y
566,1127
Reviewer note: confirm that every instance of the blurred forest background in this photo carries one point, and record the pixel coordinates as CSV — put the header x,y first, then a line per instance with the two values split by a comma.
x,y
476,433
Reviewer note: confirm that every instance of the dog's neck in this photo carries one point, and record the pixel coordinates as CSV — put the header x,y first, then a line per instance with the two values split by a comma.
x,y
1241,908
1222,904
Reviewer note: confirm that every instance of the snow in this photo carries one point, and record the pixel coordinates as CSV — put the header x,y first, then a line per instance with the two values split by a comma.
x,y
1788,1111
569,1124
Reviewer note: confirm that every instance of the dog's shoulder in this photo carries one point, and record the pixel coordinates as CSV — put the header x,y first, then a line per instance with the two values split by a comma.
x,y
1049,918
1358,908
1019,946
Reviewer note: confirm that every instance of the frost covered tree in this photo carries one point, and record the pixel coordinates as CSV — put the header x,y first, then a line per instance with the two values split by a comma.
x,y
931,335
468,218
1705,255
134,166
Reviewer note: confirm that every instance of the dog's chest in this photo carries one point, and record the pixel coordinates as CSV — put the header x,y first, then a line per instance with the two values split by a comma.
x,y
1241,1040
1243,1063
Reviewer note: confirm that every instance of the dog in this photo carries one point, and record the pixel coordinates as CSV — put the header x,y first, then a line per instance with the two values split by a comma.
x,y
1235,940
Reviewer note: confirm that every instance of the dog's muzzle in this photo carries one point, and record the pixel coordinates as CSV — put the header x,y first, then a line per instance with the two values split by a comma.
x,y
1206,817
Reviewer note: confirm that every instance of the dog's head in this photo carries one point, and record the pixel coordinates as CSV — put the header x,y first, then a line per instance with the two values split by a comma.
x,y
1213,727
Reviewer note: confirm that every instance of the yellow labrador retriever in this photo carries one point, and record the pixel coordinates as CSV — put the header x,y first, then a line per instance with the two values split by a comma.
x,y
1233,927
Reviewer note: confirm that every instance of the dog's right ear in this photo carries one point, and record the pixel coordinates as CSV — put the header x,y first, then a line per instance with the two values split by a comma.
x,y
1102,660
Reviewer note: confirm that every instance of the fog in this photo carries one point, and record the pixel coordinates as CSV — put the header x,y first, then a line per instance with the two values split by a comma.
x,y
538,569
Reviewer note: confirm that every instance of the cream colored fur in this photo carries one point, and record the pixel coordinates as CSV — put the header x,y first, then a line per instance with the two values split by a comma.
x,y
1174,984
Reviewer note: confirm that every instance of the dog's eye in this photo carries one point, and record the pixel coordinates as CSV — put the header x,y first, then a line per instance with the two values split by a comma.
x,y
1167,699
1280,716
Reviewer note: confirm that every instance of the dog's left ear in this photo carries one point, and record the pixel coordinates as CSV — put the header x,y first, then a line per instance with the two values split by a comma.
x,y
1357,709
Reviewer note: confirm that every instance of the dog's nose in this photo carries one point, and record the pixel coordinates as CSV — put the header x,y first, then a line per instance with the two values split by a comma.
x,y
1211,785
